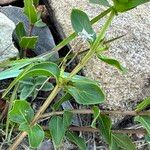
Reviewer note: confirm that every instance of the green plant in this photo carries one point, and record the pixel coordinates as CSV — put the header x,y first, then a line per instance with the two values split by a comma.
x,y
31,73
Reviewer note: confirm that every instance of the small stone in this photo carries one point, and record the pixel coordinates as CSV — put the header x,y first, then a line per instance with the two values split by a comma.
x,y
7,49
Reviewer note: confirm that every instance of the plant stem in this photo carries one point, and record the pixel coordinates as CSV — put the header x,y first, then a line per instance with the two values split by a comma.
x,y
89,111
123,131
13,96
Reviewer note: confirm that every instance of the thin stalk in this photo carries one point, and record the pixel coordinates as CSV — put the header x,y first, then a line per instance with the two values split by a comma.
x,y
123,131
104,112
13,96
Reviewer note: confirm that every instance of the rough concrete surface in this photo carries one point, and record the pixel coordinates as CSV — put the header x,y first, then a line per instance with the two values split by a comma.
x,y
7,49
123,91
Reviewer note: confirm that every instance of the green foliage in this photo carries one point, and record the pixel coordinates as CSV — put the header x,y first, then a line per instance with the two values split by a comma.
x,y
58,127
125,5
105,125
31,87
73,137
121,141
85,93
35,135
41,69
20,31
111,62
144,104
96,114
22,113
82,25
33,74
145,121
30,11
28,42
100,2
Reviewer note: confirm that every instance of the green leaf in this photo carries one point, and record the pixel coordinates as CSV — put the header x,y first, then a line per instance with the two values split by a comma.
x,y
47,87
105,125
40,24
21,112
122,141
100,2
26,91
111,62
10,73
44,68
28,42
30,11
85,93
82,26
57,130
65,98
20,31
36,136
24,127
20,76
96,113
67,119
125,5
145,121
73,137
58,126
145,103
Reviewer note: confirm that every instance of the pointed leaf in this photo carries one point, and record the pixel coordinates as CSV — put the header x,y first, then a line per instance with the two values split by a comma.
x,y
145,121
30,11
111,62
20,31
57,130
96,113
100,2
36,136
44,69
73,137
67,119
105,125
82,26
28,42
145,103
86,93
123,141
21,112
26,91
19,77
47,87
